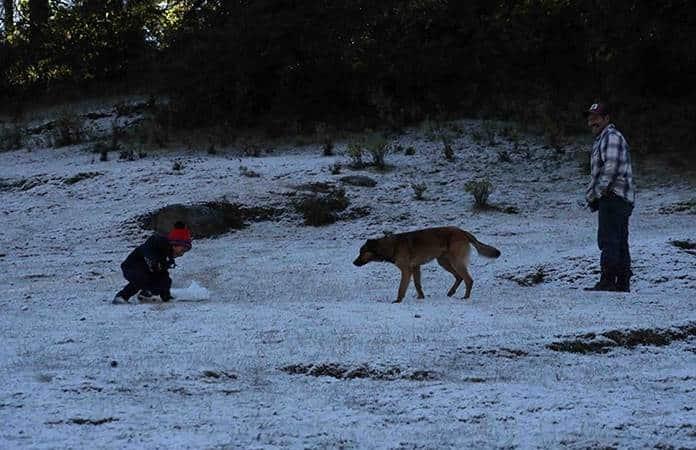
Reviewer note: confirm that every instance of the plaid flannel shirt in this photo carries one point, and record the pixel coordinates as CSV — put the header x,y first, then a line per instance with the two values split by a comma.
x,y
611,166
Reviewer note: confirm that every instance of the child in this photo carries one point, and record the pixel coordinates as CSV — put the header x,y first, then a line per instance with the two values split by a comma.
x,y
147,267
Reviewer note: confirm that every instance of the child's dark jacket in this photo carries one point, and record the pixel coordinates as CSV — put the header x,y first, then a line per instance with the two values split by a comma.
x,y
155,253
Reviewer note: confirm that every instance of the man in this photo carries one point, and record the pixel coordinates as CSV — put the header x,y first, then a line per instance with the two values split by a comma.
x,y
147,267
611,192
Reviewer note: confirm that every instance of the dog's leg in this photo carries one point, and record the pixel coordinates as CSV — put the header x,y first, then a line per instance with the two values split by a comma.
x,y
417,281
444,262
405,278
460,266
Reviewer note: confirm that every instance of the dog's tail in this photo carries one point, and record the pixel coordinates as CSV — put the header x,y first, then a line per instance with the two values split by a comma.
x,y
482,249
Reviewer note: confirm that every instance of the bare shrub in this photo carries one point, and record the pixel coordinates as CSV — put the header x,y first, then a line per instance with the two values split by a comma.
x,y
504,156
127,155
11,137
320,210
251,149
354,151
327,147
488,130
410,151
151,133
68,130
554,134
335,168
447,148
378,147
418,190
481,190
247,172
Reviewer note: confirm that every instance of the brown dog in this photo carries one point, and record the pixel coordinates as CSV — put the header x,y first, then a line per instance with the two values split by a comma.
x,y
408,251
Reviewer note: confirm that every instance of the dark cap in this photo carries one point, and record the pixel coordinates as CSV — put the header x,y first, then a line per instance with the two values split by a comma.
x,y
597,108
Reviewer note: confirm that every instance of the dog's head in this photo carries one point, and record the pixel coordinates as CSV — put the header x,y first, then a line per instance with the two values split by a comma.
x,y
368,252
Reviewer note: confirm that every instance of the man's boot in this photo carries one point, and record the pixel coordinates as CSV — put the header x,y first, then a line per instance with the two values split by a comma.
x,y
605,283
623,282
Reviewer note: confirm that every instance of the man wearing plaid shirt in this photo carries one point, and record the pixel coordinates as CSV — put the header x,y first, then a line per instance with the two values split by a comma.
x,y
610,192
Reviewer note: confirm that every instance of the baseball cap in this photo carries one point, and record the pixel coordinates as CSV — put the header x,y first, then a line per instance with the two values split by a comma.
x,y
597,108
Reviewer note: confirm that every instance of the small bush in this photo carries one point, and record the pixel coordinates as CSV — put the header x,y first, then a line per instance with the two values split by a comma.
x,y
378,147
327,147
354,151
127,155
481,190
320,210
477,137
554,134
103,149
504,156
447,148
418,190
68,130
178,166
511,133
488,129
335,168
246,172
153,132
81,176
11,138
251,149
410,151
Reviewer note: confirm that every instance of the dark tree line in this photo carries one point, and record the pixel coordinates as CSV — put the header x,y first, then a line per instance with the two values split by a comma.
x,y
391,61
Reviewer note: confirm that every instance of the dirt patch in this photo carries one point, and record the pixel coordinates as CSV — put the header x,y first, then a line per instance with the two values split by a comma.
x,y
688,207
342,372
687,246
206,219
81,421
321,208
218,375
359,180
81,176
537,276
509,353
604,342
23,184
317,188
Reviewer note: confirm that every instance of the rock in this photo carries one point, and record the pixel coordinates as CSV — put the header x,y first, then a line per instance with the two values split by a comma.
x,y
359,180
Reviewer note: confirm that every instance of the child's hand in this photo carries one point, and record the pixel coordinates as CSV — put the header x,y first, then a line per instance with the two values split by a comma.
x,y
153,265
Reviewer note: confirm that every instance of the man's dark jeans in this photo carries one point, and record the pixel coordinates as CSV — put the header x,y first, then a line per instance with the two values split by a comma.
x,y
140,278
612,236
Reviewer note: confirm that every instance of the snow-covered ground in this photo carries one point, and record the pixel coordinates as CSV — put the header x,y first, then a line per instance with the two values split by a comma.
x,y
79,372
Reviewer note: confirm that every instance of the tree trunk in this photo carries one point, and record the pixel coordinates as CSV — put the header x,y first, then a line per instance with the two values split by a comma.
x,y
38,18
8,22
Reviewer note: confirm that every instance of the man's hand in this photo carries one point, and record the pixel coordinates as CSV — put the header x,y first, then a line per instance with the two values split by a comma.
x,y
593,205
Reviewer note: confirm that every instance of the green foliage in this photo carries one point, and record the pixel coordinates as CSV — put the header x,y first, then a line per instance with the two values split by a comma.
x,y
354,151
481,190
360,63
378,147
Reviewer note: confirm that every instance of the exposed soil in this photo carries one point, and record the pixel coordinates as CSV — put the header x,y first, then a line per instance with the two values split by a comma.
x,y
343,372
604,342
207,219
